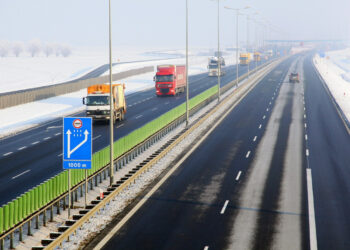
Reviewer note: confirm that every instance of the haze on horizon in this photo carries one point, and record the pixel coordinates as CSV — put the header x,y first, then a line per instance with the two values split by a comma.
x,y
161,23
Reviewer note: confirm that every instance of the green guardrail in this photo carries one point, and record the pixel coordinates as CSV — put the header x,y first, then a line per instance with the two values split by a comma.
x,y
19,209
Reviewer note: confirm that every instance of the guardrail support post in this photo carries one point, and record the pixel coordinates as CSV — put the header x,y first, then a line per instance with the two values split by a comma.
x,y
92,184
58,207
20,235
29,227
81,191
76,195
2,247
64,203
51,213
37,222
11,241
44,218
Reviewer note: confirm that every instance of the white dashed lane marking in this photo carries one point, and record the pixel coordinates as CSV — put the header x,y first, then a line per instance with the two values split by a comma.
x,y
21,174
238,175
7,154
224,207
21,148
247,155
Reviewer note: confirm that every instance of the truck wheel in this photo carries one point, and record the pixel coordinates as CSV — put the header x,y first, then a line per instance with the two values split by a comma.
x,y
121,117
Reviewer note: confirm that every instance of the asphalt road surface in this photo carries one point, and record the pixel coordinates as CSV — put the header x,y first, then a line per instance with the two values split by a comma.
x,y
272,175
35,155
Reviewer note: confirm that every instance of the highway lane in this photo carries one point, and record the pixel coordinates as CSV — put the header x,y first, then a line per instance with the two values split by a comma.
x,y
31,157
227,187
328,145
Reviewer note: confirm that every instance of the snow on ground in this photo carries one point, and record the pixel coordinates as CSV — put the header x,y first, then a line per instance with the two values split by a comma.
x,y
25,116
335,70
28,72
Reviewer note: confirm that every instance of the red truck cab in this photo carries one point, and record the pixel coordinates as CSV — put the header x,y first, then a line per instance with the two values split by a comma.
x,y
170,79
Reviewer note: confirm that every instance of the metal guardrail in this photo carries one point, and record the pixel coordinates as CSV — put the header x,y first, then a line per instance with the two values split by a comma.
x,y
141,169
102,173
35,94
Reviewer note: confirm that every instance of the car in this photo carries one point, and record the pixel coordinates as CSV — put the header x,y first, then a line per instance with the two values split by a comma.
x,y
294,77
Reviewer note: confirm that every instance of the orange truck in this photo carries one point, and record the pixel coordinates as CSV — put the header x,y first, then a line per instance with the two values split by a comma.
x,y
98,105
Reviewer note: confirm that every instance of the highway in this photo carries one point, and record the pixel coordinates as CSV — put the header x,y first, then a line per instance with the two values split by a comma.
x,y
33,156
257,180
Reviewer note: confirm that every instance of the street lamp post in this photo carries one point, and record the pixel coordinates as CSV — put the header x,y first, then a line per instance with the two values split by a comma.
x,y
237,50
187,86
219,61
248,40
111,115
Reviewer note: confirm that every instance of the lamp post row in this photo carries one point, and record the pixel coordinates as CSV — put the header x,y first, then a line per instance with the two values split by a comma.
x,y
187,86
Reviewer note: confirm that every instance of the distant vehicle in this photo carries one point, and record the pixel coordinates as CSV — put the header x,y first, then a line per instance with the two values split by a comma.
x,y
270,53
213,66
170,79
98,104
244,58
257,56
294,77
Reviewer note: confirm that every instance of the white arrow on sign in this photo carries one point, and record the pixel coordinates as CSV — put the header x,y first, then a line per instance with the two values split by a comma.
x,y
78,146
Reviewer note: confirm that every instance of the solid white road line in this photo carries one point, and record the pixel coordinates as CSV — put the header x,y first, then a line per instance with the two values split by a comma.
x,y
36,142
206,247
139,116
255,138
238,175
224,207
96,137
312,222
306,137
307,152
260,126
21,174
22,148
247,155
121,125
7,154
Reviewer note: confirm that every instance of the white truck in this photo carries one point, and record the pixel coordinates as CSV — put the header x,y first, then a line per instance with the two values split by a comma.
x,y
213,66
98,105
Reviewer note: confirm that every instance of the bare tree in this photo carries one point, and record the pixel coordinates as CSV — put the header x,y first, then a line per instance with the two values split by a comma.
x,y
57,48
17,48
48,49
34,47
4,48
66,51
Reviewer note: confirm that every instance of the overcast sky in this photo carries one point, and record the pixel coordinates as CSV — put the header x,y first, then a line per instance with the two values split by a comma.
x,y
161,23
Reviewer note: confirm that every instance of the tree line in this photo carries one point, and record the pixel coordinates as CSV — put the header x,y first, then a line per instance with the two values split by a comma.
x,y
34,48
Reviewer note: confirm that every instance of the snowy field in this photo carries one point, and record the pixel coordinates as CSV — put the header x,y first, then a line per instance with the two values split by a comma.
x,y
25,116
335,70
28,72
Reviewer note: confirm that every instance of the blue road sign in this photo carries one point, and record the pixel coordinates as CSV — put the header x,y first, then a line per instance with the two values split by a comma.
x,y
77,142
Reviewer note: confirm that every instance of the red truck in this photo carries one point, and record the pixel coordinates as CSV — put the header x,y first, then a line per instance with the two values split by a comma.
x,y
170,79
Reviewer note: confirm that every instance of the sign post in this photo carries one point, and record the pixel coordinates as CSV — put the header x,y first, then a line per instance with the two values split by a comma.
x,y
77,148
